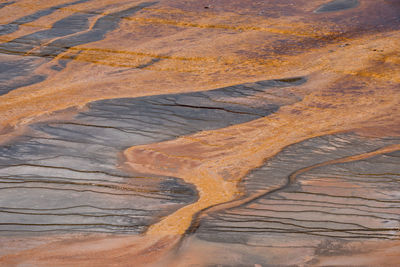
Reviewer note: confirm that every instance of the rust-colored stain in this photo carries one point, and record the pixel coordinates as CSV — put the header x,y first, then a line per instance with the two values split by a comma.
x,y
350,58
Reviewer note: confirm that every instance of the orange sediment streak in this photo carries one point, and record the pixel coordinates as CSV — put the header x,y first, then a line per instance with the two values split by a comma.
x,y
213,190
70,88
192,60
216,161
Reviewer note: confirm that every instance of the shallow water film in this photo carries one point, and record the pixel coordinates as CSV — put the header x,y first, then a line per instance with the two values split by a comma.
x,y
200,133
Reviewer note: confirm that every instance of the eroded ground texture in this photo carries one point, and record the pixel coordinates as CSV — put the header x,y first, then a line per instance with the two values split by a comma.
x,y
199,133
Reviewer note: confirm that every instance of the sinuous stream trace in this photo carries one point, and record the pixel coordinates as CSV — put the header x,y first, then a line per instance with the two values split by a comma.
x,y
199,133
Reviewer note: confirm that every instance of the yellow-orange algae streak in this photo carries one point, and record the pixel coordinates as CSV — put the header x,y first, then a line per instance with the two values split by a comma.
x,y
83,80
215,161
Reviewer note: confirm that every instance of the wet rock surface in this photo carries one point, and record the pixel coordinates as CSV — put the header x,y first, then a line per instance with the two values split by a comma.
x,y
306,203
338,203
117,150
337,5
73,163
44,45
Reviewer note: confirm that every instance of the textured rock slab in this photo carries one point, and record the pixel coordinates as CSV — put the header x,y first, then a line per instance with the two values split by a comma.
x,y
179,46
327,211
67,53
14,25
42,46
63,175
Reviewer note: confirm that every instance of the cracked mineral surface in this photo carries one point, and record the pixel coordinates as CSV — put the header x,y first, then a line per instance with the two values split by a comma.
x,y
199,133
